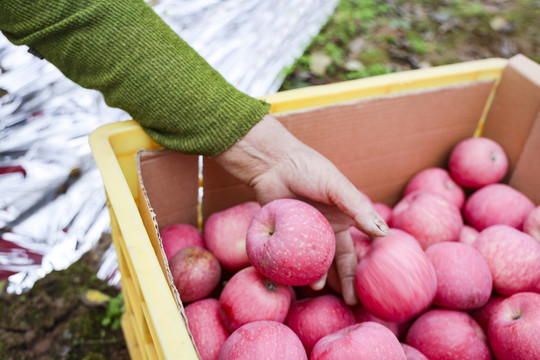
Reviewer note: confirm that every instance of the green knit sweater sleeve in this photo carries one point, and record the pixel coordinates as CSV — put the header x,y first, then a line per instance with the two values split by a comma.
x,y
126,51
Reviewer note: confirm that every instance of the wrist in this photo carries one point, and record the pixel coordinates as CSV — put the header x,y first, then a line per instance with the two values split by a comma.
x,y
262,148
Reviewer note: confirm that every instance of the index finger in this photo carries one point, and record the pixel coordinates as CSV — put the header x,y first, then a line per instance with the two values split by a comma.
x,y
353,203
346,262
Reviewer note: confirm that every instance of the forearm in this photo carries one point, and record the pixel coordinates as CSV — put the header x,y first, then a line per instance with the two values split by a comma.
x,y
125,50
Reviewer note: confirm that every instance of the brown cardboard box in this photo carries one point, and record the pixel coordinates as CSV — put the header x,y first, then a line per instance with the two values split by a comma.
x,y
378,142
379,136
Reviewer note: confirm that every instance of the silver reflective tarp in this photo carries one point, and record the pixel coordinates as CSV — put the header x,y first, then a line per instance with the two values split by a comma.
x,y
52,202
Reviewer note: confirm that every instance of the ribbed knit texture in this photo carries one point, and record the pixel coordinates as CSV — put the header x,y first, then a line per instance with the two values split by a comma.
x,y
125,50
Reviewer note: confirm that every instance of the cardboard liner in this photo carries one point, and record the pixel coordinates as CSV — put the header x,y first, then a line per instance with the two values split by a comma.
x,y
379,143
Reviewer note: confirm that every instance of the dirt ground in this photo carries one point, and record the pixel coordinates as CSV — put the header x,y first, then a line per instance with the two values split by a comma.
x,y
69,314
363,38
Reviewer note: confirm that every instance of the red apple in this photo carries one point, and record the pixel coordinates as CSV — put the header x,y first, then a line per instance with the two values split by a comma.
x,y
178,236
531,225
437,180
384,211
361,314
248,296
514,328
444,334
497,204
483,314
368,340
196,273
513,258
205,325
313,318
468,235
395,281
225,234
291,242
476,162
464,280
428,217
412,353
270,340
536,288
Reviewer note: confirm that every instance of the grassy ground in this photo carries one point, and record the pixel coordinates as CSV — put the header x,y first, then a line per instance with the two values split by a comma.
x,y
372,37
363,38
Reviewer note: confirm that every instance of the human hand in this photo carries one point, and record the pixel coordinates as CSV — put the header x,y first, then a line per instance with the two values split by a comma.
x,y
277,165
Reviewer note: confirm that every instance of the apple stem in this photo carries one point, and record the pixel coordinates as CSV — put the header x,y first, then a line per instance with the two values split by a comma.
x,y
516,316
270,285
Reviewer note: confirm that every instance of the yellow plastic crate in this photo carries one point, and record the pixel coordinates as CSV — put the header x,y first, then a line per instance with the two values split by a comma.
x,y
152,324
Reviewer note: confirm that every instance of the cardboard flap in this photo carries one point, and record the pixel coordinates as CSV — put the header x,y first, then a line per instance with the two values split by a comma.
x,y
515,107
513,121
526,174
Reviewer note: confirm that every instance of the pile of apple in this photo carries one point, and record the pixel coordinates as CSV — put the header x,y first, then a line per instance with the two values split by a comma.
x,y
458,277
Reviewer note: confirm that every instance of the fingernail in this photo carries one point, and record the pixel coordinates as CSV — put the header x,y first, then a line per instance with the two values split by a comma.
x,y
319,284
382,226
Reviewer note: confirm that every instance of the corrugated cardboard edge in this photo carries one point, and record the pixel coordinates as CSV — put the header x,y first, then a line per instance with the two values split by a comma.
x,y
150,223
385,96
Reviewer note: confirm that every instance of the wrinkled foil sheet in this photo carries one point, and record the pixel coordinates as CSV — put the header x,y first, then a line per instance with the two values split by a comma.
x,y
52,202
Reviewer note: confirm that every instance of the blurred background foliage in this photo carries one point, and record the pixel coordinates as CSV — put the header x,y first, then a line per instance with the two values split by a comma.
x,y
372,37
